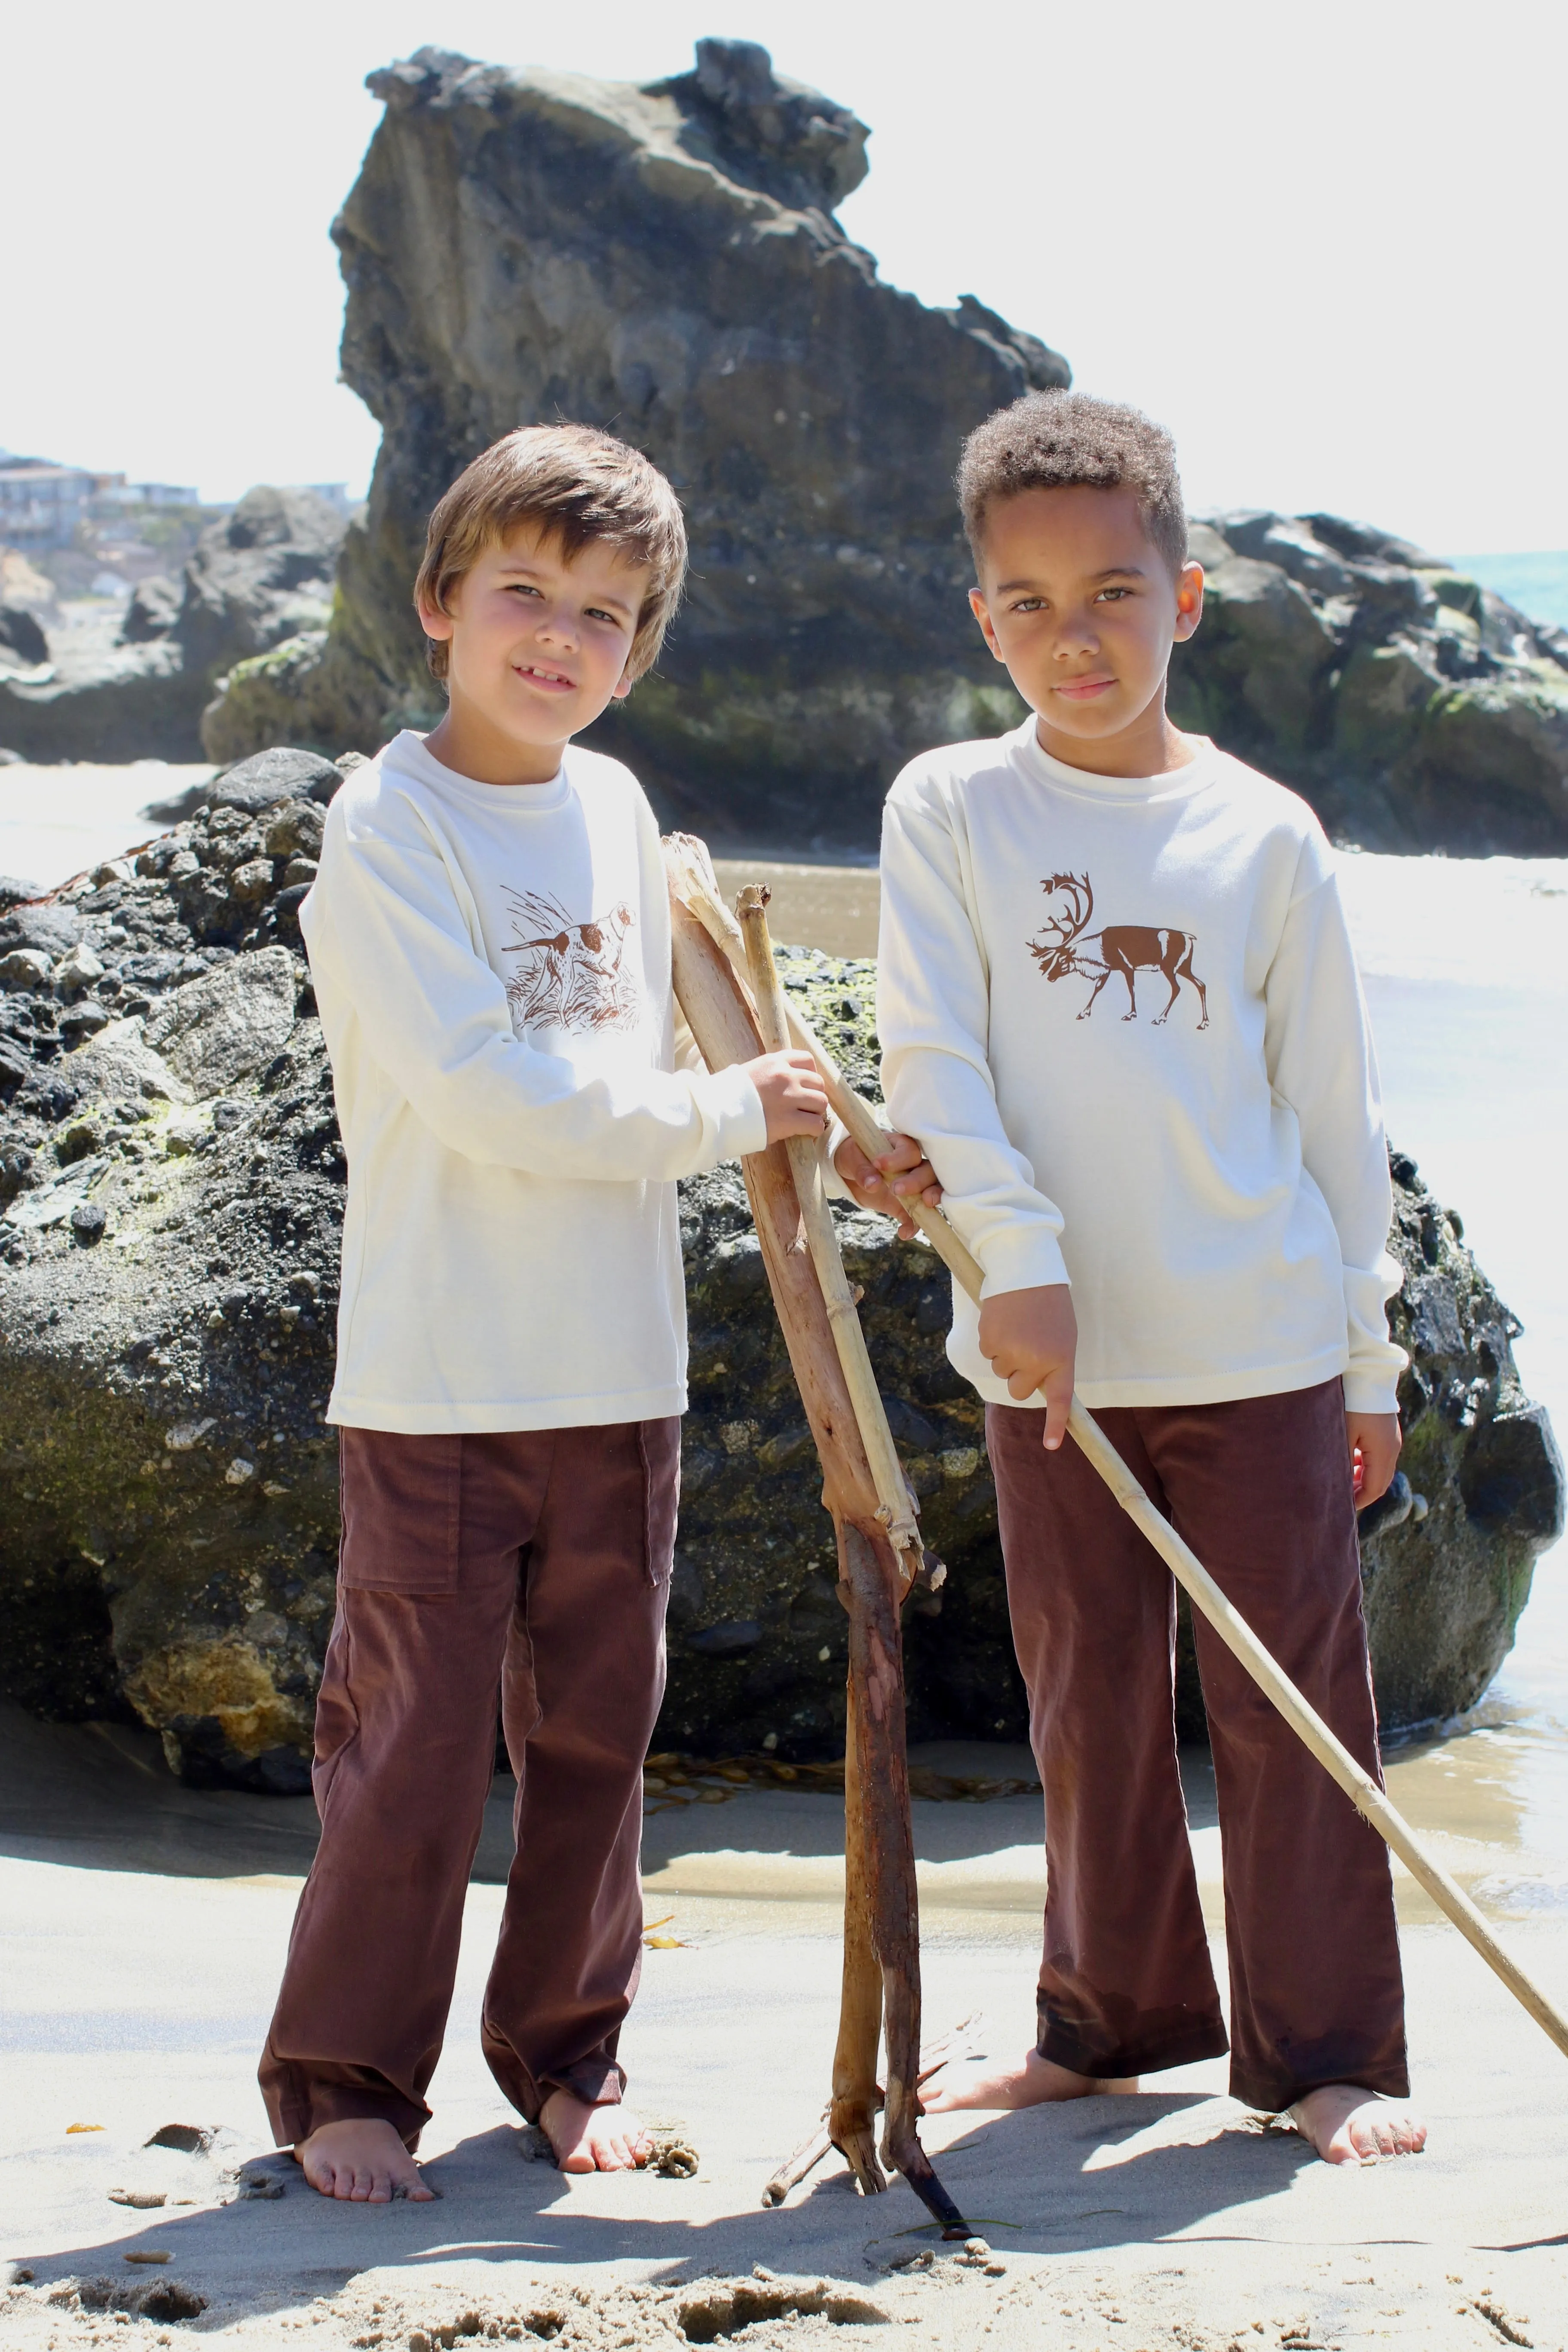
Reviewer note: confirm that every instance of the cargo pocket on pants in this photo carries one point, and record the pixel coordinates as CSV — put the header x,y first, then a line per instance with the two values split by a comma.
x,y
402,1511
659,1444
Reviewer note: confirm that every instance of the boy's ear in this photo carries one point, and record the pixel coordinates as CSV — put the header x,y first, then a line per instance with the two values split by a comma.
x,y
622,688
982,613
1189,600
434,621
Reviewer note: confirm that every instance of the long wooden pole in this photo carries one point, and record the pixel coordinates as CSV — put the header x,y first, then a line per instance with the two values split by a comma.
x,y
1371,1802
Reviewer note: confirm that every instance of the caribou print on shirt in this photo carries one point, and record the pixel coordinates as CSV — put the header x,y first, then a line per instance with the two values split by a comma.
x,y
570,976
1064,949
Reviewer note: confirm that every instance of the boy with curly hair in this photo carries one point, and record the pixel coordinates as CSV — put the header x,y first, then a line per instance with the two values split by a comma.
x,y
1119,1008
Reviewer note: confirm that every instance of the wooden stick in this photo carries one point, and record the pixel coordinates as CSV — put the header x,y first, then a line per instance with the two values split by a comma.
x,y
805,2158
720,1018
1371,1802
895,1500
857,2095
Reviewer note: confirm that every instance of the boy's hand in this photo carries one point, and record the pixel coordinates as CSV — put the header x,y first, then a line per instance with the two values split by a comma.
x,y
901,1173
794,1099
1374,1442
1030,1338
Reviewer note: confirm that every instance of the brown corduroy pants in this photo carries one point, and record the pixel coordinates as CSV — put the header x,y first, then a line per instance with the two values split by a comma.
x,y
534,1564
1261,1490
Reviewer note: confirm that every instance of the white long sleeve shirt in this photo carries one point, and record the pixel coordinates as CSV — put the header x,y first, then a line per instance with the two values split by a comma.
x,y
491,964
1123,1017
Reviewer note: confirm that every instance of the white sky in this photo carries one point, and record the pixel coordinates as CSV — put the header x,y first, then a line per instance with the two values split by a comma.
x,y
1324,244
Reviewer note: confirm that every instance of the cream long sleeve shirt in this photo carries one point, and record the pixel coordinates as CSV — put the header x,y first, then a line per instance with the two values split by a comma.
x,y
1123,1017
492,969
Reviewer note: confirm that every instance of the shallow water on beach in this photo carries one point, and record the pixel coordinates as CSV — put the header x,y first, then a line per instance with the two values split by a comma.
x,y
1465,965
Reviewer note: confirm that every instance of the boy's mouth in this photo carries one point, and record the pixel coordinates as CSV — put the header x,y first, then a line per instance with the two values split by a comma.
x,y
554,681
1084,689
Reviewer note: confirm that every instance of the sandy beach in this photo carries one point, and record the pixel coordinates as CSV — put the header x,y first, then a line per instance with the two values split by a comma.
x,y
146,1923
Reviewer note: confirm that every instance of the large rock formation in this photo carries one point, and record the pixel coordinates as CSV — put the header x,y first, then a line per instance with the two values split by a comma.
x,y
664,260
1413,707
171,1195
133,686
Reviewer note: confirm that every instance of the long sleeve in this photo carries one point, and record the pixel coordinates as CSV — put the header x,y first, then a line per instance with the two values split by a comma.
x,y
1319,1051
934,1019
384,926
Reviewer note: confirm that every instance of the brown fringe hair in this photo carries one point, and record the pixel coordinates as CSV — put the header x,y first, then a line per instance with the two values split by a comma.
x,y
574,484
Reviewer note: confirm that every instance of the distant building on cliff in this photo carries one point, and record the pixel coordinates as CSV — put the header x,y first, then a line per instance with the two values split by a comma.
x,y
42,504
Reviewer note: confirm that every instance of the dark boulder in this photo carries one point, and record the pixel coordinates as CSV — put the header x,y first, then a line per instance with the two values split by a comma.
x,y
1413,707
170,1201
152,612
23,644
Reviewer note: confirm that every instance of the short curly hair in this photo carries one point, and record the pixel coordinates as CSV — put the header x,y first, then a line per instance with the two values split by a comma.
x,y
1068,440
575,485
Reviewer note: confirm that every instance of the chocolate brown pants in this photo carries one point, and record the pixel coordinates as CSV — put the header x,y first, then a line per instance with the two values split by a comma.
x,y
536,1564
1261,1490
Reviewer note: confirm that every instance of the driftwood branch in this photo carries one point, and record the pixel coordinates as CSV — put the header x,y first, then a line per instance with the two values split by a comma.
x,y
868,1500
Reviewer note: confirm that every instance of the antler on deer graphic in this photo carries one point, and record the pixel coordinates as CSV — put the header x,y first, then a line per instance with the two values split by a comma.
x,y
1126,949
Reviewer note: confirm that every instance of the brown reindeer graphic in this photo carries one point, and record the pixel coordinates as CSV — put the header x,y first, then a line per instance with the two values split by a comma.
x,y
1125,948
571,975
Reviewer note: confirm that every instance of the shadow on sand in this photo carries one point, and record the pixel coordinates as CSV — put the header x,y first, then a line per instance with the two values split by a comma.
x,y
1079,2179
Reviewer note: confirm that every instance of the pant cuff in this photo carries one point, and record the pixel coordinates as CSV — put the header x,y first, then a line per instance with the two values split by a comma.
x,y
1271,2093
305,2105
1152,2055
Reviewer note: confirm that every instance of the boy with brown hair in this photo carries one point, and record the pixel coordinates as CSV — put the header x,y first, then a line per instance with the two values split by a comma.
x,y
1119,1008
488,936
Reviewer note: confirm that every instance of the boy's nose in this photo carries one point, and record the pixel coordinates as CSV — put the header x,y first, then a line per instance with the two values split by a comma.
x,y
1077,638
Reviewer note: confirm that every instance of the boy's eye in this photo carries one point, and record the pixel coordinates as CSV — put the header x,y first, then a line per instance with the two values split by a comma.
x,y
1117,593
522,588
596,613
1030,604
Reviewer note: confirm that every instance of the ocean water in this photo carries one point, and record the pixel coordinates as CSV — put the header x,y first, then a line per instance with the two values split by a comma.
x,y
1537,584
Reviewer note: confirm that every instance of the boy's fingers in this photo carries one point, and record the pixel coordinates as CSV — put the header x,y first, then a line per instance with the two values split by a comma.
x,y
1056,1388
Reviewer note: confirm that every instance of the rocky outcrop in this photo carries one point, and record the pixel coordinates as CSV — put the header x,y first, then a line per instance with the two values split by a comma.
x,y
134,685
664,260
1412,707
170,1197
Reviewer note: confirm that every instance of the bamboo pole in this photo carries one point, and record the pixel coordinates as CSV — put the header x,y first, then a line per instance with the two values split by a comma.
x,y
1370,1800
881,1945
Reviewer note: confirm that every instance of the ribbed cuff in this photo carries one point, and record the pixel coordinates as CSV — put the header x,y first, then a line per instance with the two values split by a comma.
x,y
1372,1390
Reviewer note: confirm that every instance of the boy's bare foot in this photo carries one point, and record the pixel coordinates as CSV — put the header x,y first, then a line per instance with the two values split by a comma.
x,y
593,2139
1349,2125
1021,2084
363,2160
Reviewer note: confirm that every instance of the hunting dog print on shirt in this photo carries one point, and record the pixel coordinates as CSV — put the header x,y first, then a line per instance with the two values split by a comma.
x,y
1065,949
570,976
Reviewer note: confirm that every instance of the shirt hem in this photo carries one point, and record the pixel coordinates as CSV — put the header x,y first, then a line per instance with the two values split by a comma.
x,y
1188,1387
480,1416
